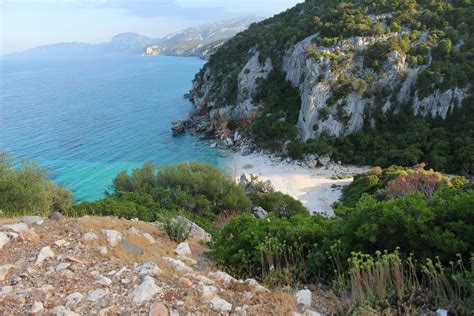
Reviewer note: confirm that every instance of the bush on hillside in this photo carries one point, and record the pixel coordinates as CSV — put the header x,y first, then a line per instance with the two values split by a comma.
x,y
280,204
26,189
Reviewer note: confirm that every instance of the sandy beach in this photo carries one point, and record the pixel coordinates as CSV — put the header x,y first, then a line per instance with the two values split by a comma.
x,y
313,187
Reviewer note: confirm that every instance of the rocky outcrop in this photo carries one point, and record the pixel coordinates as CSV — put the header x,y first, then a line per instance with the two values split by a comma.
x,y
45,276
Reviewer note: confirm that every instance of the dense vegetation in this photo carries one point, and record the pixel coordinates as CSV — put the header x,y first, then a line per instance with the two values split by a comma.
x,y
401,238
416,216
432,34
25,189
199,191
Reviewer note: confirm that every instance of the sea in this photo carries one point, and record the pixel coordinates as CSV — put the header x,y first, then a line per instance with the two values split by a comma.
x,y
85,119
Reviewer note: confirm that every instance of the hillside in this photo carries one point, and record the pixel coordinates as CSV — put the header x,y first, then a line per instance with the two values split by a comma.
x,y
199,41
363,81
108,266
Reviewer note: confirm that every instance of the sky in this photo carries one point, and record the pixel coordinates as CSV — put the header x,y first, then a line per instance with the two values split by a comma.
x,y
26,24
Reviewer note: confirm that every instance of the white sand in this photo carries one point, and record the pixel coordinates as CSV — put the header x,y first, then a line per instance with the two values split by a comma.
x,y
311,186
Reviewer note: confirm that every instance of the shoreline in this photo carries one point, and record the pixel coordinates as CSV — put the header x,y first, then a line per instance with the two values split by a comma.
x,y
312,186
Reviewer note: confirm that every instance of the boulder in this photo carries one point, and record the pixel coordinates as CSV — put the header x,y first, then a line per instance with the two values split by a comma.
x,y
259,212
37,220
3,239
45,253
220,305
176,264
89,236
178,127
113,237
324,160
56,216
145,291
223,277
207,291
96,295
17,228
195,231
304,297
103,250
149,237
132,248
148,269
183,250
74,298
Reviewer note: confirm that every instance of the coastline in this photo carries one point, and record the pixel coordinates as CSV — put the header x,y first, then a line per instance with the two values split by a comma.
x,y
312,186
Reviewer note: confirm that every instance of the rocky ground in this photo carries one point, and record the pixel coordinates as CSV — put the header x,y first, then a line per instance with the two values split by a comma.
x,y
110,266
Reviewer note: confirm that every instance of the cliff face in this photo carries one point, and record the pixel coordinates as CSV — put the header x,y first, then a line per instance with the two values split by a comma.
x,y
344,81
317,78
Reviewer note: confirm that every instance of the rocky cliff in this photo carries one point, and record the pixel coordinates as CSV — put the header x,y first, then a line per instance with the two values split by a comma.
x,y
350,64
200,41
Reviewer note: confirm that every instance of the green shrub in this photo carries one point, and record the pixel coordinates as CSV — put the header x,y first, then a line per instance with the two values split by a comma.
x,y
27,190
177,229
280,204
296,149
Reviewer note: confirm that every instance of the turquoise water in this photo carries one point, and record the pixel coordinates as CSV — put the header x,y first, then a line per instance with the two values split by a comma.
x,y
87,119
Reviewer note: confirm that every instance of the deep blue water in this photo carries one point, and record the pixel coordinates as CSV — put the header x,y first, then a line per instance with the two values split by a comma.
x,y
87,119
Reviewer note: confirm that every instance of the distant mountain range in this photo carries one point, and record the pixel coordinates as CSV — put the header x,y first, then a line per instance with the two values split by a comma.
x,y
197,41
200,41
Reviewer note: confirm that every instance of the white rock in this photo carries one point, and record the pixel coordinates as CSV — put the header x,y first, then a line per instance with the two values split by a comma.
x,y
222,276
74,298
18,227
254,283
104,281
311,313
36,307
148,269
132,231
6,289
145,291
4,271
97,295
60,243
304,297
177,264
196,231
3,239
207,291
220,305
103,250
149,237
183,249
113,237
89,236
63,311
62,266
45,253
32,220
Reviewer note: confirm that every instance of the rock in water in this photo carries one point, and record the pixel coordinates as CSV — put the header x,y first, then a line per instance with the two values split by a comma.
x,y
178,128
45,253
145,291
